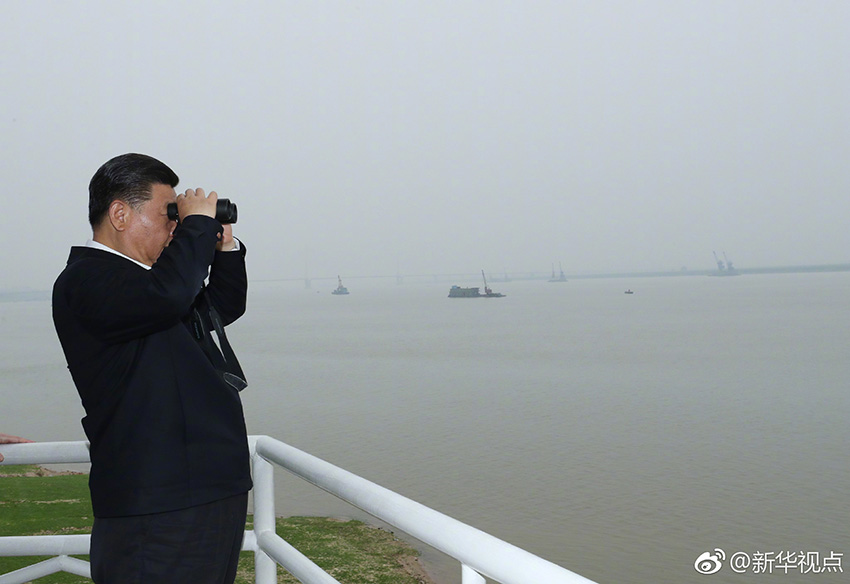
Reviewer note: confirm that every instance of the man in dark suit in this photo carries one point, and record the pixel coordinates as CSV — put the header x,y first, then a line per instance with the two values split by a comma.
x,y
134,310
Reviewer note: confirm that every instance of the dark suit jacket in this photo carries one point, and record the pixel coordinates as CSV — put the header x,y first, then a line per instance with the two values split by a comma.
x,y
166,432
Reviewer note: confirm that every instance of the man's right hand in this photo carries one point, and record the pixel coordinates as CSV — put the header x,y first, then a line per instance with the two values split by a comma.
x,y
195,202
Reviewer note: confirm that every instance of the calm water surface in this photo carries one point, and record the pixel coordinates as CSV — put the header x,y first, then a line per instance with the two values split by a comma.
x,y
617,435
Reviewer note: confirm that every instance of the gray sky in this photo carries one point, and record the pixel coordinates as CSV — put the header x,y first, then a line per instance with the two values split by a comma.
x,y
441,136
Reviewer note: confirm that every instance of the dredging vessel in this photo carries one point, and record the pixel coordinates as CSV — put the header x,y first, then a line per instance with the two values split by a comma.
x,y
475,292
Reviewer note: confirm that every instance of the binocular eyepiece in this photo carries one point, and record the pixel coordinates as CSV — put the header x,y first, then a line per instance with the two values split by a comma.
x,y
225,211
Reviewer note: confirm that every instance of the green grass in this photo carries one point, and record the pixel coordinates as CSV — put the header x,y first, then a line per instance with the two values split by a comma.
x,y
33,502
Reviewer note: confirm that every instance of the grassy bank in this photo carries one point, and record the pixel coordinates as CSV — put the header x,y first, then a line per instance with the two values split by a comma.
x,y
38,502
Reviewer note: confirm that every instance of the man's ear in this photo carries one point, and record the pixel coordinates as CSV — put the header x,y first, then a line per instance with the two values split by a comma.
x,y
118,214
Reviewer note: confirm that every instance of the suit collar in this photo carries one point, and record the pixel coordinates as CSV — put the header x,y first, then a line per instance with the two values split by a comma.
x,y
97,245
81,252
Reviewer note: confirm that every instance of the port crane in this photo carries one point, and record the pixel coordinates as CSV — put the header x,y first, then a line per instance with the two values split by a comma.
x,y
486,288
720,265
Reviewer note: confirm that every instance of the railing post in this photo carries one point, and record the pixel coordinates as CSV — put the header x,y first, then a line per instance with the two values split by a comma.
x,y
470,576
265,568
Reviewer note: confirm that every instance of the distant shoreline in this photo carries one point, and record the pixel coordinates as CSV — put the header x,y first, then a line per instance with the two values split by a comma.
x,y
17,295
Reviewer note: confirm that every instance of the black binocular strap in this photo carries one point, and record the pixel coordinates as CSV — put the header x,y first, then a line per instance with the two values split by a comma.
x,y
223,359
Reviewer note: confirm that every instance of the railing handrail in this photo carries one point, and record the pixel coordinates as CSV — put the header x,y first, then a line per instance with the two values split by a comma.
x,y
487,555
478,552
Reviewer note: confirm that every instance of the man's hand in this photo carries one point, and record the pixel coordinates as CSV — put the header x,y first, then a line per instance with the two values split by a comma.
x,y
195,202
226,243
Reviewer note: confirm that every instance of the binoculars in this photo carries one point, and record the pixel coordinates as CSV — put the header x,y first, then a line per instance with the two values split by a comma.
x,y
225,211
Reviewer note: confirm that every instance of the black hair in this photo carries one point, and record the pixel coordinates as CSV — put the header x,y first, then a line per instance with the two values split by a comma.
x,y
129,178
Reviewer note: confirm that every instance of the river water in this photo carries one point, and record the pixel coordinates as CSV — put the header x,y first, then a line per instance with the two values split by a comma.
x,y
620,436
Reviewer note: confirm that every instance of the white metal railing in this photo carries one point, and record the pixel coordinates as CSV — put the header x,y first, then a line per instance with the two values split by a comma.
x,y
479,553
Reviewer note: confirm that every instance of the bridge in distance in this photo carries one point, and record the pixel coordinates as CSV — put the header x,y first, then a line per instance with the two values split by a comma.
x,y
465,278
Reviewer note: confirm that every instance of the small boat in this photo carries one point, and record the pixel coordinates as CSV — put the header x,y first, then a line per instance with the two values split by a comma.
x,y
340,289
629,291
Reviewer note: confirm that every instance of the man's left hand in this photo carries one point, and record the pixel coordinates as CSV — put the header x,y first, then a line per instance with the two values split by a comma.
x,y
226,243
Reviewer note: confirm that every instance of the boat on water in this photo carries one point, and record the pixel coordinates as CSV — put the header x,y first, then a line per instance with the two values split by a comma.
x,y
629,291
340,290
561,278
475,292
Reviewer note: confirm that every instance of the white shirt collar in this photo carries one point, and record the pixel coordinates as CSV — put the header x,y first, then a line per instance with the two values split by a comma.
x,y
97,245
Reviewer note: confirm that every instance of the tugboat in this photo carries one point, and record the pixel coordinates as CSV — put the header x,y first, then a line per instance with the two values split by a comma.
x,y
458,292
340,289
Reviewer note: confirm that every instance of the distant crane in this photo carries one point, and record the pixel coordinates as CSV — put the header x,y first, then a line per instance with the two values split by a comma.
x,y
561,278
486,288
720,265
724,266
488,293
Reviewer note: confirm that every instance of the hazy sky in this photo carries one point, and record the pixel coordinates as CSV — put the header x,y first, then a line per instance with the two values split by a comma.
x,y
441,136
